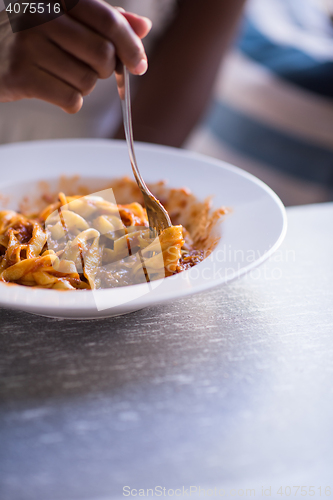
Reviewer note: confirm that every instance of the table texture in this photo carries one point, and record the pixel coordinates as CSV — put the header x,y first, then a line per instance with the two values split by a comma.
x,y
230,389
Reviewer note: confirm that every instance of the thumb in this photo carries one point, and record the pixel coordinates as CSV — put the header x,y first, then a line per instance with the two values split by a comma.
x,y
141,25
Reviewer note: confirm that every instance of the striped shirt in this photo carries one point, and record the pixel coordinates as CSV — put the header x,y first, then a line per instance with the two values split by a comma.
x,y
273,108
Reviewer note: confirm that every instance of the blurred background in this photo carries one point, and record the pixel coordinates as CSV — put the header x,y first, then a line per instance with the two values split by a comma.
x,y
272,108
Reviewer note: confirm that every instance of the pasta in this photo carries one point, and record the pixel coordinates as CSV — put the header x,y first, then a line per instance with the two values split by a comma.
x,y
90,242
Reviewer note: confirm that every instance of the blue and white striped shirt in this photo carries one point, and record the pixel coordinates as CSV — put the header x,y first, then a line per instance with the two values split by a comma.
x,y
273,109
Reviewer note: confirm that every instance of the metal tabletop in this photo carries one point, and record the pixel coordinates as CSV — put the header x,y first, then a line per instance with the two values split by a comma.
x,y
229,391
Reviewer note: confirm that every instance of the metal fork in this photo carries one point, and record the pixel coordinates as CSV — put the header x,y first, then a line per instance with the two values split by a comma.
x,y
158,217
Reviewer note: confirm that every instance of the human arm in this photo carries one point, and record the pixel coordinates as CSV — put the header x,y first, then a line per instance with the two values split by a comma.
x,y
60,61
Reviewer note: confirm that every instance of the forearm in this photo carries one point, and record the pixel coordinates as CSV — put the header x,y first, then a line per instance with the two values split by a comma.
x,y
172,96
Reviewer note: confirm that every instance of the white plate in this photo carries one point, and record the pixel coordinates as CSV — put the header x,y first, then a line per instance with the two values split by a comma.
x,y
249,235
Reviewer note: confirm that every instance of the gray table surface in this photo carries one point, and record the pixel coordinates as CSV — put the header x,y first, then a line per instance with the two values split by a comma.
x,y
230,389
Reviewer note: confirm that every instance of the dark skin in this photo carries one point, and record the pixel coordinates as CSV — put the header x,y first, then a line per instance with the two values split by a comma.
x,y
61,61
172,96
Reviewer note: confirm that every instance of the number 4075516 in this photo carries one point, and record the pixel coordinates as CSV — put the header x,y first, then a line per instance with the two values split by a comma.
x,y
304,491
32,8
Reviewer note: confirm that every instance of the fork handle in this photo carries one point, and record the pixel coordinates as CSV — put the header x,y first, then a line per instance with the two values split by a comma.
x,y
123,83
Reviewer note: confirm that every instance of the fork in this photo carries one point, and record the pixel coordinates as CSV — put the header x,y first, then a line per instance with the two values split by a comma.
x,y
158,217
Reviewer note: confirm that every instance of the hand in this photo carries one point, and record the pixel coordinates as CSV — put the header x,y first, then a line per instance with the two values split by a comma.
x,y
60,61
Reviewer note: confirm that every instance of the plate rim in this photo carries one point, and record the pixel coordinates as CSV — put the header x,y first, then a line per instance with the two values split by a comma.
x,y
6,300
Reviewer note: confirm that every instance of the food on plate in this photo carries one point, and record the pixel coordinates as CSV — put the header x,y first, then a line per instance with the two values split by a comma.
x,y
92,242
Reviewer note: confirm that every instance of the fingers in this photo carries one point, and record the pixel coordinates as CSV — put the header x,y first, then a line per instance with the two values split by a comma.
x,y
141,25
65,67
60,61
112,24
83,44
55,91
34,82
